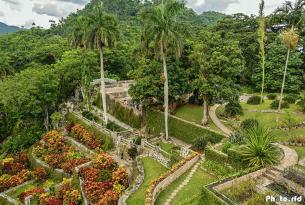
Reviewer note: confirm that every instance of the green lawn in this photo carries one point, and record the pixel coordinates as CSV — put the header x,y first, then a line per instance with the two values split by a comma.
x,y
193,188
153,170
193,113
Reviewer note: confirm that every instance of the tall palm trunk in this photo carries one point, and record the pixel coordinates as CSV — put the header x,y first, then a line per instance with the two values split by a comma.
x,y
163,55
103,90
283,84
263,79
205,117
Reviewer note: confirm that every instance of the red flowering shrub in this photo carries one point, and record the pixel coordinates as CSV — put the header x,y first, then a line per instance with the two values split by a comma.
x,y
40,174
110,198
54,160
90,174
104,161
84,136
95,190
69,127
22,158
120,176
51,200
31,192
70,164
55,142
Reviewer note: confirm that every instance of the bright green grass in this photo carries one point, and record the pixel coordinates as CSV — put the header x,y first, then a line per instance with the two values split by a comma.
x,y
15,194
193,113
168,147
153,170
168,191
193,188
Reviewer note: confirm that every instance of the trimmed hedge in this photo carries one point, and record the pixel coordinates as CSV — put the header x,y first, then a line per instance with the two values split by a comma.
x,y
275,104
272,96
236,159
208,197
215,155
184,131
108,143
124,114
254,100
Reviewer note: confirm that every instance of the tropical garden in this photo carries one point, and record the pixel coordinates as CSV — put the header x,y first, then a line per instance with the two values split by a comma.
x,y
213,113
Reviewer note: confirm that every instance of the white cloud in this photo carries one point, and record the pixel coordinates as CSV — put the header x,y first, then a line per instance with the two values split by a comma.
x,y
1,13
49,9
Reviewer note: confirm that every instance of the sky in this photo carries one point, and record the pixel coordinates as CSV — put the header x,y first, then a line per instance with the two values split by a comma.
x,y
25,12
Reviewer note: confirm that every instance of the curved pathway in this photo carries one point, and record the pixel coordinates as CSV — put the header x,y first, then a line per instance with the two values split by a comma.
x,y
183,184
217,122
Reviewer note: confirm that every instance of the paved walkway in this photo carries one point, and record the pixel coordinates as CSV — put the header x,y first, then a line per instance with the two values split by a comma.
x,y
290,157
183,184
217,122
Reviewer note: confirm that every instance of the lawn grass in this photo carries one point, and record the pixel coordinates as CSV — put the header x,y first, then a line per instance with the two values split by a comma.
x,y
169,190
153,170
194,113
194,187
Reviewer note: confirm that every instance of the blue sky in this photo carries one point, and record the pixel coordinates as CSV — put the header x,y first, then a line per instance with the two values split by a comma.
x,y
25,12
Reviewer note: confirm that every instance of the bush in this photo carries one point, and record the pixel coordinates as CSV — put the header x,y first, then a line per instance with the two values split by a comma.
x,y
200,143
272,96
137,140
114,127
254,100
132,152
182,130
275,104
233,109
249,124
290,98
235,157
105,175
227,145
237,138
89,115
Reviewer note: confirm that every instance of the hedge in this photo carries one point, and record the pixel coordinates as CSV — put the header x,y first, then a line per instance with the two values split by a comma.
x,y
108,142
235,158
122,113
208,197
215,155
182,130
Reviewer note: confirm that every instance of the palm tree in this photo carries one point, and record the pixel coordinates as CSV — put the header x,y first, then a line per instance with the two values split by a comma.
x,y
291,14
261,40
163,31
259,150
290,39
101,31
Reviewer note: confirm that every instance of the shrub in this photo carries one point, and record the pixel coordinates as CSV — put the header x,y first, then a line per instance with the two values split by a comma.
x,y
237,138
227,145
133,152
137,140
87,114
182,130
275,104
272,96
233,109
105,175
215,155
200,143
249,124
254,100
114,127
40,174
290,98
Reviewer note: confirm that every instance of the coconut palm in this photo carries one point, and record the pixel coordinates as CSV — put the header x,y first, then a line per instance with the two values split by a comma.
x,y
163,31
290,39
101,31
261,40
259,150
291,14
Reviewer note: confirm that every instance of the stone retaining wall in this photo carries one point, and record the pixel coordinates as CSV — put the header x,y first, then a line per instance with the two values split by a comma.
x,y
173,176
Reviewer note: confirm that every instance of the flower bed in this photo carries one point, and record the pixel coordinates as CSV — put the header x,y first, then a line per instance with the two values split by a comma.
x,y
150,192
104,181
58,154
84,136
15,171
64,194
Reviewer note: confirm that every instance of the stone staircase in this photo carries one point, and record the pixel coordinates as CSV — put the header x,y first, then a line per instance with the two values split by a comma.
x,y
183,184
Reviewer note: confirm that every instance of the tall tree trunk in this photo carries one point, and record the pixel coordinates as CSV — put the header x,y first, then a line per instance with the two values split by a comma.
x,y
205,118
103,90
144,111
163,55
46,117
263,78
283,85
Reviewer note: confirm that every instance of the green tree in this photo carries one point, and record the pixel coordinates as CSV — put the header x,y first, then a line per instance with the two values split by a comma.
x,y
220,64
163,31
101,31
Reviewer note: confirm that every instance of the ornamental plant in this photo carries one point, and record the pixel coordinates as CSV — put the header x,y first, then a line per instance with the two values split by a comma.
x,y
120,176
84,136
104,161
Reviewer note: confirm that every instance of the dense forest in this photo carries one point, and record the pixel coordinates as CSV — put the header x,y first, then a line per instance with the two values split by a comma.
x,y
40,68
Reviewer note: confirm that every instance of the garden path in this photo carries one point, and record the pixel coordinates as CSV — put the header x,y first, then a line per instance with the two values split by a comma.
x,y
183,184
290,157
217,122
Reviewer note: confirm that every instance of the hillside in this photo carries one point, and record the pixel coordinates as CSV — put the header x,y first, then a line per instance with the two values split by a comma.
x,y
7,29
